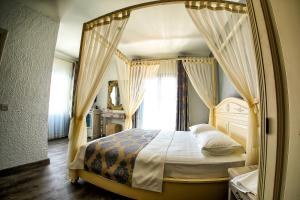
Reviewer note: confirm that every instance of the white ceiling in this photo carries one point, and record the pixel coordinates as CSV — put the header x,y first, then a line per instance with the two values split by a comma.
x,y
160,31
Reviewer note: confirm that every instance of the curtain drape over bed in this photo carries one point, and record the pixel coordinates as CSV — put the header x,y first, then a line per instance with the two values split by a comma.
x,y
227,31
133,80
95,56
202,74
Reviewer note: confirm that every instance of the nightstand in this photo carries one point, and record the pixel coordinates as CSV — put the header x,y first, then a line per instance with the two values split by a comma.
x,y
233,192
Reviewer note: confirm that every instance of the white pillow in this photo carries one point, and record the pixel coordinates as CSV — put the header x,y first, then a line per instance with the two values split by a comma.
x,y
201,127
217,143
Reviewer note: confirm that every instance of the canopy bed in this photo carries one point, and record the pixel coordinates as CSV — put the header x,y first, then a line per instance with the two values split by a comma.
x,y
228,35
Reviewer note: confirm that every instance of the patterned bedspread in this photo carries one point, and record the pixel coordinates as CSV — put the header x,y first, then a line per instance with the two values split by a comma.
x,y
114,156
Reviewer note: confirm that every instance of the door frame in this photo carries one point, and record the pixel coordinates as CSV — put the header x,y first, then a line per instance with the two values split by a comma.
x,y
273,100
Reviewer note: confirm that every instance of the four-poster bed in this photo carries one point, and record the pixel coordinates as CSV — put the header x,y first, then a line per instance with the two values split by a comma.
x,y
232,118
228,34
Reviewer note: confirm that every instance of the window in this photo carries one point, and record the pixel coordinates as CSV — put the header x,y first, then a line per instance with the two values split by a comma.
x,y
60,99
158,110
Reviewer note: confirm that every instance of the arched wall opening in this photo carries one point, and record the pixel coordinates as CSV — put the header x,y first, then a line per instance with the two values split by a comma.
x,y
270,86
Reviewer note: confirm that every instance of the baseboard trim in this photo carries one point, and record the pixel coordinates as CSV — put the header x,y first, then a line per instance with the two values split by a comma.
x,y
22,168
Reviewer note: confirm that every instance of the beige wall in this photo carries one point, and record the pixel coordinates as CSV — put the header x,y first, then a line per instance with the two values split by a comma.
x,y
287,21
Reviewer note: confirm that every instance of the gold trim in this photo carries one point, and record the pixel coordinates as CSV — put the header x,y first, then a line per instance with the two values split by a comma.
x,y
216,6
110,105
195,180
107,19
173,189
136,63
207,60
262,100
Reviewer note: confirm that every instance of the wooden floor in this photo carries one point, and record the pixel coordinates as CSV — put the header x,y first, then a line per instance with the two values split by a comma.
x,y
50,182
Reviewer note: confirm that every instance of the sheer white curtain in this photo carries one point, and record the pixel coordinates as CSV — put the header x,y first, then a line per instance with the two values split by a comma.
x,y
226,28
60,99
202,74
158,110
134,79
99,43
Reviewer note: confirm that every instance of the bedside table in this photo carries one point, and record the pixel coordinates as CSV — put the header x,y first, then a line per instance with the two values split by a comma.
x,y
233,192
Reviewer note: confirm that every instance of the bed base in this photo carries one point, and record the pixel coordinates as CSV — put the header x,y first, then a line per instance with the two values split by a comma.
x,y
173,189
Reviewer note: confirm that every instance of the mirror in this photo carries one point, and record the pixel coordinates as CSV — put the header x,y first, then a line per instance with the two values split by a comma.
x,y
113,96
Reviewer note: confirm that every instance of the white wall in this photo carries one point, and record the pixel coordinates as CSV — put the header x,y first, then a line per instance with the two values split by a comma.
x,y
287,21
25,73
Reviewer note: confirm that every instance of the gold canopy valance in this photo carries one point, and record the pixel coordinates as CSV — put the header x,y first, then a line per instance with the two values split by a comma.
x,y
200,4
206,60
106,19
125,13
217,5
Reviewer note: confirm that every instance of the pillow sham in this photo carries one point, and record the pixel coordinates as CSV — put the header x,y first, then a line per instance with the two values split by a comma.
x,y
216,143
201,127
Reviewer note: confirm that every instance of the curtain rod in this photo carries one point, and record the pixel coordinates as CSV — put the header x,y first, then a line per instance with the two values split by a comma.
x,y
172,59
156,3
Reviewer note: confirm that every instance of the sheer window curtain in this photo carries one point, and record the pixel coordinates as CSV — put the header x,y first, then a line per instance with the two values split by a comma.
x,y
202,74
158,110
228,34
94,59
134,79
60,99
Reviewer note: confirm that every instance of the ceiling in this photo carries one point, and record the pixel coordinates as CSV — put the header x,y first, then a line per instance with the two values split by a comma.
x,y
160,31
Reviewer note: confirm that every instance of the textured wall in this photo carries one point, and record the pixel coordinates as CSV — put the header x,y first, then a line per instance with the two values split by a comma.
x,y
225,88
25,73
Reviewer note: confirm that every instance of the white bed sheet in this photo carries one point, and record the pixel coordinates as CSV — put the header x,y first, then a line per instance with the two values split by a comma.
x,y
186,160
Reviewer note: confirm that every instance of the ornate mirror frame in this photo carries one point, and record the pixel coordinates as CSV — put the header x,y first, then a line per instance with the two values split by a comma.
x,y
110,105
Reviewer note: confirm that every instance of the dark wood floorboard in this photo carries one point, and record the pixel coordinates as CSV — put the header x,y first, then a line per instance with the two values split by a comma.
x,y
50,182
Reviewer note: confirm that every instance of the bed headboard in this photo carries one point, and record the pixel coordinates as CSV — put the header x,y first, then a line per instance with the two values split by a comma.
x,y
231,117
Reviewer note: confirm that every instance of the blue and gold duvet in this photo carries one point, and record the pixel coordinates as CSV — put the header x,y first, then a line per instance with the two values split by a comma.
x,y
114,156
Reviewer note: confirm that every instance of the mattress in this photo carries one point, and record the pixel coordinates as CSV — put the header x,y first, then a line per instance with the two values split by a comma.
x,y
185,159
